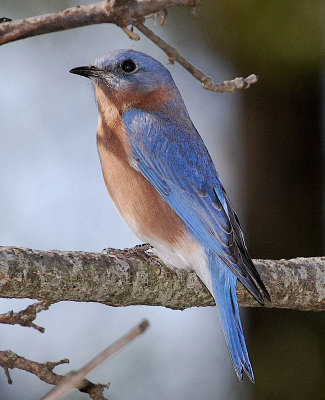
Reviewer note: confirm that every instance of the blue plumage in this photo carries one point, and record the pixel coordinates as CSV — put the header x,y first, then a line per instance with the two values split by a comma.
x,y
176,161
163,147
224,289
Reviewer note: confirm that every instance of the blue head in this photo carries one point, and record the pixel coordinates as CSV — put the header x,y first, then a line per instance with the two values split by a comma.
x,y
132,79
128,70
132,70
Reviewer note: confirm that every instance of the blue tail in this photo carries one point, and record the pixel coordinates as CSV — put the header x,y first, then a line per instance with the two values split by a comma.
x,y
224,290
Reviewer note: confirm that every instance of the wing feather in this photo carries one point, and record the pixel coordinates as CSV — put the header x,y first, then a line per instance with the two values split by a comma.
x,y
177,163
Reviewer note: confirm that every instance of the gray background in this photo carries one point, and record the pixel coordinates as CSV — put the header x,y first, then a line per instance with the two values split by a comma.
x,y
53,197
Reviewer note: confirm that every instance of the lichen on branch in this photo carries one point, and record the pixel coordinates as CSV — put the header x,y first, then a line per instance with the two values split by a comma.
x,y
137,277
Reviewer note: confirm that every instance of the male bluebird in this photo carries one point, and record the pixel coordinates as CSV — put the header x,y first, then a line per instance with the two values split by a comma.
x,y
162,180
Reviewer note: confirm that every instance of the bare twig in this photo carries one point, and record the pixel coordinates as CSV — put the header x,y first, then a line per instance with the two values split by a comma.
x,y
126,277
206,81
44,371
73,379
25,317
164,16
119,12
132,35
7,373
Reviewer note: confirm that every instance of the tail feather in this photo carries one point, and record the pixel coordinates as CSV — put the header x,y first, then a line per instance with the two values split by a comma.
x,y
224,291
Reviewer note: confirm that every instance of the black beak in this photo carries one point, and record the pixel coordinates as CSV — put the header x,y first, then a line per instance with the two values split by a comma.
x,y
85,71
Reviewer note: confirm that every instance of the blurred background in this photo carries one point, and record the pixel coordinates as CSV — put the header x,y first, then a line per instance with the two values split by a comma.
x,y
267,144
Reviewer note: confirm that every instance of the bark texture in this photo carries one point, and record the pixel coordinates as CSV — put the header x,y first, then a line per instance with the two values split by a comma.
x,y
137,277
119,12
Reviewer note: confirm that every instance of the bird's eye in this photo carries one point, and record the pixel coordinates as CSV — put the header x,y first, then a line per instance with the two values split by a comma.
x,y
128,66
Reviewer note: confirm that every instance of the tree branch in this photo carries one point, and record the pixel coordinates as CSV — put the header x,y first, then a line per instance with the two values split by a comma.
x,y
44,371
119,12
206,81
134,276
11,360
25,317
76,379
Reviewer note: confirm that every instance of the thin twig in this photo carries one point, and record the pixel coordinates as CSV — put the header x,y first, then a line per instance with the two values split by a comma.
x,y
164,16
44,371
132,35
73,379
121,13
206,81
25,317
7,373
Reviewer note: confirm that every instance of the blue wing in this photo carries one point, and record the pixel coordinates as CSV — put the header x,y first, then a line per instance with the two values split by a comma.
x,y
177,163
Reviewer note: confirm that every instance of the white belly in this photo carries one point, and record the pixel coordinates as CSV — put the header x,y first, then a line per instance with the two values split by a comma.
x,y
186,254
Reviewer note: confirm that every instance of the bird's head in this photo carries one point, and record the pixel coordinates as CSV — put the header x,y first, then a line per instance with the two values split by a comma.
x,y
130,79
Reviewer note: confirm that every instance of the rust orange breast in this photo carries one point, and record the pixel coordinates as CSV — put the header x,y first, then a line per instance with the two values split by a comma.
x,y
142,207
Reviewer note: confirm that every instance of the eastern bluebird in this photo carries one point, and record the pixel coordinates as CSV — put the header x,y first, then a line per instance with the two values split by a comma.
x,y
162,180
